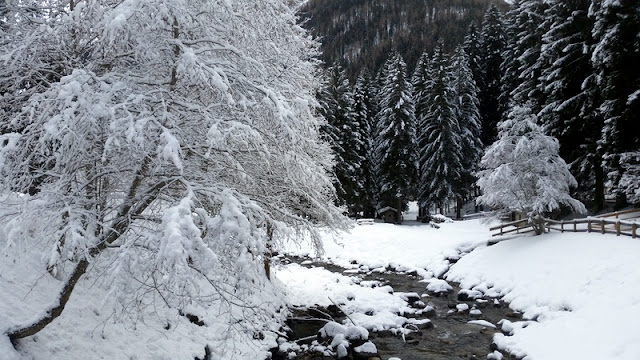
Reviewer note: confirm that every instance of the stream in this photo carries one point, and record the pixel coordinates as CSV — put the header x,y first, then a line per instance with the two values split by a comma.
x,y
451,336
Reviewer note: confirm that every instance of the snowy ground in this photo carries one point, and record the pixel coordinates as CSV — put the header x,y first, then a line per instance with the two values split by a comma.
x,y
90,328
581,288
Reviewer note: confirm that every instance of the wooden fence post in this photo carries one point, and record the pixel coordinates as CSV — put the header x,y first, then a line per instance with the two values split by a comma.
x,y
602,224
618,227
562,226
588,225
634,226
575,226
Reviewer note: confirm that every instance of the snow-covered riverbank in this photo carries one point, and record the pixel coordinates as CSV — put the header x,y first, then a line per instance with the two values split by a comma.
x,y
579,287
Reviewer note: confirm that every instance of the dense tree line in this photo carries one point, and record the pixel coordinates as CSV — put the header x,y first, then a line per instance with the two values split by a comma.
x,y
567,68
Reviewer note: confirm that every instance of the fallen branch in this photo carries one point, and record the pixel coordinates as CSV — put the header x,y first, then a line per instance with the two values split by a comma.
x,y
344,312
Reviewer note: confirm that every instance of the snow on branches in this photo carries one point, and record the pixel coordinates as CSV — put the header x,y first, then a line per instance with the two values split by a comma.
x,y
523,172
178,139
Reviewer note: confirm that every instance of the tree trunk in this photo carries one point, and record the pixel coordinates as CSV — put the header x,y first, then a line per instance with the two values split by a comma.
x,y
268,252
598,196
53,313
537,222
119,227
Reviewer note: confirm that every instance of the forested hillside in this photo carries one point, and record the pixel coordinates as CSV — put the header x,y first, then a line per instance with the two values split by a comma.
x,y
363,32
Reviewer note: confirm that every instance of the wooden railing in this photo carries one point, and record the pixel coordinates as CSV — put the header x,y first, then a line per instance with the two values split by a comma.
x,y
619,223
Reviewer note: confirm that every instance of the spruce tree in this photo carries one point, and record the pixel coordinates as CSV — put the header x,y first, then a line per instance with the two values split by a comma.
x,y
421,82
395,135
472,46
571,95
529,24
345,137
440,160
468,117
363,111
615,59
492,47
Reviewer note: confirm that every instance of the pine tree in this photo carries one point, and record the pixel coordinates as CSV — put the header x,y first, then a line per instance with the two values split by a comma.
x,y
529,24
492,45
363,109
522,171
345,136
615,58
395,135
630,178
473,47
468,117
572,96
510,65
421,82
440,162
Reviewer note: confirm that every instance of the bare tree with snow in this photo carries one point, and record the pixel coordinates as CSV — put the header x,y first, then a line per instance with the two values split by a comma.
x,y
523,172
167,145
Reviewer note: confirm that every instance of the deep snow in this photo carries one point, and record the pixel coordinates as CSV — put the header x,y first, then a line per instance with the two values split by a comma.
x,y
581,288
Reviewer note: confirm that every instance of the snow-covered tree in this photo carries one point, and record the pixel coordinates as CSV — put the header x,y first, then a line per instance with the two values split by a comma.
x,y
394,141
440,163
628,185
615,57
421,83
363,110
572,95
528,24
468,117
345,137
174,144
472,46
492,45
522,171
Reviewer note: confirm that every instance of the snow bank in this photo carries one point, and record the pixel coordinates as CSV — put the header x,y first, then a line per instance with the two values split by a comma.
x,y
404,247
582,289
318,286
91,328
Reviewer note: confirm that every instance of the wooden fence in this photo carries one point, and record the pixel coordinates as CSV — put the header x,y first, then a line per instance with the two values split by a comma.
x,y
619,223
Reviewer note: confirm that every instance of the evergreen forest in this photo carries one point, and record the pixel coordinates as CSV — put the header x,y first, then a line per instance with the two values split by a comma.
x,y
569,68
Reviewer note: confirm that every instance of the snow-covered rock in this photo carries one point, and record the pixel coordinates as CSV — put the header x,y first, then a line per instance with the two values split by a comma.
x,y
365,351
439,286
331,329
483,323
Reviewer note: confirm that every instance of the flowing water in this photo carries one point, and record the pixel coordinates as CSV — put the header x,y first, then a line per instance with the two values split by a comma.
x,y
451,336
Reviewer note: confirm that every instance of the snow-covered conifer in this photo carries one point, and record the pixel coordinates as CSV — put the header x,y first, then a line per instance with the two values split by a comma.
x,y
440,163
468,117
615,57
363,109
395,135
572,95
492,45
345,137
